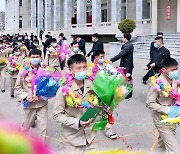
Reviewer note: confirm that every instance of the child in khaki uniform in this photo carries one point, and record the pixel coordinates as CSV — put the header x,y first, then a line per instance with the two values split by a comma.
x,y
2,66
15,62
33,106
77,136
99,59
52,57
161,105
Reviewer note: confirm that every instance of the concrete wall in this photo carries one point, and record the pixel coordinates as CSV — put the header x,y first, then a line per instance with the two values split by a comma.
x,y
163,24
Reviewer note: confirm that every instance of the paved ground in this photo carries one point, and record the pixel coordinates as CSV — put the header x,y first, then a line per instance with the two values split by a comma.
x,y
133,119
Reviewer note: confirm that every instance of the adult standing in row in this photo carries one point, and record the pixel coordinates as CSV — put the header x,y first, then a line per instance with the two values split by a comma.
x,y
47,43
158,56
97,46
126,56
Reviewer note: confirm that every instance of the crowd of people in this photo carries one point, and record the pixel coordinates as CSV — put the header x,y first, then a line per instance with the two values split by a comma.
x,y
22,56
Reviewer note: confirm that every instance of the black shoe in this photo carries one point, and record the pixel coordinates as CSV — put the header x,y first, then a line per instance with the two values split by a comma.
x,y
12,96
3,90
34,125
144,82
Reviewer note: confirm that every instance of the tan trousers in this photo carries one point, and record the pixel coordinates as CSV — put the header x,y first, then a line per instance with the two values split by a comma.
x,y
42,114
167,141
68,149
13,82
3,77
108,129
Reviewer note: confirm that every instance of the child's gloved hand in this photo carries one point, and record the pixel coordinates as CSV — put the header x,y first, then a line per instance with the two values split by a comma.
x,y
173,111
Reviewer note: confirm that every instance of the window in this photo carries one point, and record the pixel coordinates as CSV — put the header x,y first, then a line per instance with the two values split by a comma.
x,y
20,2
104,15
146,9
20,22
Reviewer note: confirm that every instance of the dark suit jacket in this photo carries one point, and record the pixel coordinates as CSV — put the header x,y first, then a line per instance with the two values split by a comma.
x,y
97,46
126,56
158,56
82,47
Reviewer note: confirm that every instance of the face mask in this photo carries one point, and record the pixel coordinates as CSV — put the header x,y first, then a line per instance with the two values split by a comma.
x,y
54,45
155,45
101,61
36,45
35,61
17,53
19,44
174,75
75,50
80,75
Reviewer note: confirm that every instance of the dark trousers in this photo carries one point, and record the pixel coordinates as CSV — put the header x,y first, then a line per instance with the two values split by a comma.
x,y
150,73
130,80
92,58
62,64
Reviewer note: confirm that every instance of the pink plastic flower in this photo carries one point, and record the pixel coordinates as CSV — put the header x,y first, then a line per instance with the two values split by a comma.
x,y
157,88
65,90
158,81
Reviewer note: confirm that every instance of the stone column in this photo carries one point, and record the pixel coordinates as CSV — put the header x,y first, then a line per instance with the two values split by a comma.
x,y
33,14
154,16
67,13
178,15
109,10
16,17
47,15
81,12
96,12
40,14
57,17
139,11
115,10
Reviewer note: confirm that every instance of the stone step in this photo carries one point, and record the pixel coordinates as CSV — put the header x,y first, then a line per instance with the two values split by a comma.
x,y
169,48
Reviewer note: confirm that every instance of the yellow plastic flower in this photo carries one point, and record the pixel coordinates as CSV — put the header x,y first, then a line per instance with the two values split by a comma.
x,y
167,88
89,73
165,94
119,92
96,101
69,101
78,101
48,69
72,94
153,80
90,64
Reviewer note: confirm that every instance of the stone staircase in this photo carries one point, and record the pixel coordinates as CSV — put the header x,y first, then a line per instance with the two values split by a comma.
x,y
171,42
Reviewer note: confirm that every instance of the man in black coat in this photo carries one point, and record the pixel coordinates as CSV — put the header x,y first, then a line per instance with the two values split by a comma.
x,y
97,46
126,56
26,41
82,44
47,43
152,48
158,56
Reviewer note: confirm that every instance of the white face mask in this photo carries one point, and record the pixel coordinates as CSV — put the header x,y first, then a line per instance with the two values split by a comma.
x,y
75,50
54,44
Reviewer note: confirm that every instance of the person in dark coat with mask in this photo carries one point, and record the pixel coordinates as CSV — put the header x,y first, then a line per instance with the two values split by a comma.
x,y
47,43
82,44
97,46
158,55
152,48
126,56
